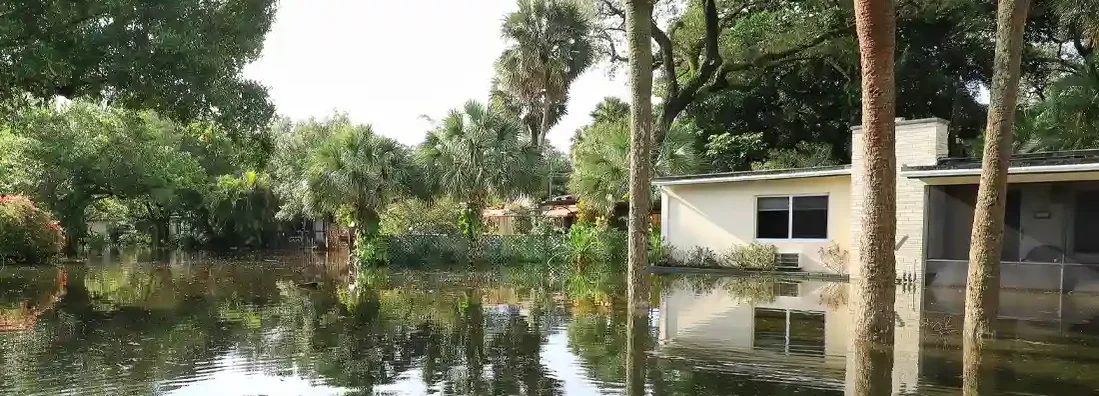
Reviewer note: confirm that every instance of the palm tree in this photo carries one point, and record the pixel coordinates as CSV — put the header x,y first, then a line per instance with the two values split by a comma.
x,y
983,285
549,47
601,158
876,29
639,15
354,173
477,153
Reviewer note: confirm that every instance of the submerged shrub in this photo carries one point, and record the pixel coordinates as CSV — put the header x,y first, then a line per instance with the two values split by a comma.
x,y
702,257
27,234
661,252
594,243
753,256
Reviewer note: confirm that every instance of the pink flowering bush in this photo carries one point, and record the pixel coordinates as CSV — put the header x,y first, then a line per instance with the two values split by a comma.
x,y
27,234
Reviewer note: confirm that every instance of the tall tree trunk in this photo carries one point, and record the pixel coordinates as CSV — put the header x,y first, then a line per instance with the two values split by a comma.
x,y
876,28
637,336
546,109
870,369
978,368
638,28
983,283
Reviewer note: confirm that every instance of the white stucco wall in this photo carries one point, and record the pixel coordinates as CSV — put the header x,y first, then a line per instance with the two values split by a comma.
x,y
721,215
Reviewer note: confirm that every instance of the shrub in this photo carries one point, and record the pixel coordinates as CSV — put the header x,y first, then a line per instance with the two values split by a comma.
x,y
660,252
754,256
27,233
702,257
594,243
414,216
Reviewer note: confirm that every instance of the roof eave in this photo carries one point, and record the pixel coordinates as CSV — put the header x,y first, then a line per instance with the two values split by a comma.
x,y
737,178
1017,170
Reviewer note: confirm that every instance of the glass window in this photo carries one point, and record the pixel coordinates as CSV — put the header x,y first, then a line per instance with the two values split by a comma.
x,y
810,218
792,217
773,217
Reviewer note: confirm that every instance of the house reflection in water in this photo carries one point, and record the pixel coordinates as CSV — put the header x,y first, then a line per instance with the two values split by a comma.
x,y
799,332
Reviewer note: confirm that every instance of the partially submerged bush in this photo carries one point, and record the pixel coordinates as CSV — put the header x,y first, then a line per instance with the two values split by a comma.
x,y
702,257
414,216
753,256
661,252
27,233
593,243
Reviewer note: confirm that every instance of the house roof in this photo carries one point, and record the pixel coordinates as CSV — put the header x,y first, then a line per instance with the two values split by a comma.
x,y
770,174
1044,162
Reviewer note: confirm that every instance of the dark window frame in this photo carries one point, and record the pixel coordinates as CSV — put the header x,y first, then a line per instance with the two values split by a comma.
x,y
790,211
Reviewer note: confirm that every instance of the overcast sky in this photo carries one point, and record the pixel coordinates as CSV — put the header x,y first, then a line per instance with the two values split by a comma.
x,y
387,62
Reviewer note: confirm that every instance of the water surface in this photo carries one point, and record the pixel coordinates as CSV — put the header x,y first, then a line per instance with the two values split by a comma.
x,y
308,324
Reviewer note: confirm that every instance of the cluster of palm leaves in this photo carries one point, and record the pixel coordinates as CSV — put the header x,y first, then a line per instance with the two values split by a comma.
x,y
350,173
549,47
600,155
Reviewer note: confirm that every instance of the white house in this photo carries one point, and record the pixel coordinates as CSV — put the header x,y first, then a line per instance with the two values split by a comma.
x,y
1051,241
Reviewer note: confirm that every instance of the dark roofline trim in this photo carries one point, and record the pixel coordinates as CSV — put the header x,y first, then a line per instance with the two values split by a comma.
x,y
1053,162
770,174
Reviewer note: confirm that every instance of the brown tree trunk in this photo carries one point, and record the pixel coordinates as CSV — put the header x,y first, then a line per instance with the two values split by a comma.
x,y
978,368
870,369
637,335
876,28
983,283
638,28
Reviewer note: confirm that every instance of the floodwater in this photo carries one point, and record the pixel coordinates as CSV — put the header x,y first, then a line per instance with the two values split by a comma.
x,y
310,325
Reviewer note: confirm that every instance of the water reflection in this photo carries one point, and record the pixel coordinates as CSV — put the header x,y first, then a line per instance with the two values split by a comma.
x,y
312,325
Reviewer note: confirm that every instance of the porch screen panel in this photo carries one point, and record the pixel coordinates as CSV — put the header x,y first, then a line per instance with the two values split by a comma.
x,y
1087,222
773,217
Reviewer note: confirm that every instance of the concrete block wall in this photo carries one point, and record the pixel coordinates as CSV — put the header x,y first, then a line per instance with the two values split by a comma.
x,y
918,142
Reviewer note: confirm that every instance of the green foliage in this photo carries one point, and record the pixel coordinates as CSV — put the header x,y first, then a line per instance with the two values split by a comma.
x,y
549,46
27,234
182,59
700,256
477,154
660,251
79,153
416,216
594,244
803,155
728,152
753,256
600,155
241,211
355,173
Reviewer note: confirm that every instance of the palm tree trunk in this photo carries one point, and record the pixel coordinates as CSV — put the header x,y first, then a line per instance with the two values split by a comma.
x,y
546,107
876,28
983,283
638,28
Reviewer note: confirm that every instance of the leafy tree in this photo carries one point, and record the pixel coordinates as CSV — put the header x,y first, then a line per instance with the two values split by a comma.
x,y
241,211
355,173
80,153
728,152
601,160
477,154
804,155
180,58
293,145
549,46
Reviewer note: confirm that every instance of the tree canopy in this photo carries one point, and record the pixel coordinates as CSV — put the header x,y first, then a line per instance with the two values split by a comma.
x,y
549,46
180,58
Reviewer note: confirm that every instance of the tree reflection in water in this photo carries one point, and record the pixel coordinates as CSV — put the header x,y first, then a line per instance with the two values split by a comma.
x,y
126,327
